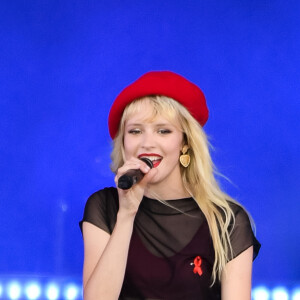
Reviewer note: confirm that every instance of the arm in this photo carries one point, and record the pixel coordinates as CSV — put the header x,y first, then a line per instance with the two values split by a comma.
x,y
105,259
236,278
105,256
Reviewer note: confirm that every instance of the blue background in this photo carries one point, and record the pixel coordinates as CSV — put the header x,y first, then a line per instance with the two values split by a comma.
x,y
62,63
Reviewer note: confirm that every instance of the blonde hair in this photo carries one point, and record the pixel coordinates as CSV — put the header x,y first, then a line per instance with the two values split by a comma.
x,y
198,178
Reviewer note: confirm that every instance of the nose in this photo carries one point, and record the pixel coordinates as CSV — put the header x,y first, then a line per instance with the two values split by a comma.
x,y
148,140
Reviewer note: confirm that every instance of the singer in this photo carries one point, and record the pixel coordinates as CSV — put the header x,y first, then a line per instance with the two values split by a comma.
x,y
175,234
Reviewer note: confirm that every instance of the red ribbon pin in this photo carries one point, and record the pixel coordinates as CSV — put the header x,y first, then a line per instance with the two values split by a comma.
x,y
197,263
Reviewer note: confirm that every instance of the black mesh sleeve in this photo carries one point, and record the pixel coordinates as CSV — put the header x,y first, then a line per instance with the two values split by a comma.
x,y
242,236
101,209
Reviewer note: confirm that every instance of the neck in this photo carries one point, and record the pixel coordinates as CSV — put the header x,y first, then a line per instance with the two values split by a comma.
x,y
166,193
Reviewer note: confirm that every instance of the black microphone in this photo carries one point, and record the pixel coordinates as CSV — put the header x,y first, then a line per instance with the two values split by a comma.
x,y
133,176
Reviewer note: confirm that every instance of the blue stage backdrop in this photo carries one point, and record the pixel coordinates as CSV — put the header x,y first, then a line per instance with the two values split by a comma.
x,y
61,65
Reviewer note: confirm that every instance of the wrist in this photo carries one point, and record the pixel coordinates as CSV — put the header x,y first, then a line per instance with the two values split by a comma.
x,y
125,217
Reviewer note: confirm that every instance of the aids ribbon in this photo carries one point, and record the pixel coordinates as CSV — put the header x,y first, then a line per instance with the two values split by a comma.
x,y
197,263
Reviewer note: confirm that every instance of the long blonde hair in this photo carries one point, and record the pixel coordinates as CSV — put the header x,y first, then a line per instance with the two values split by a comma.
x,y
198,179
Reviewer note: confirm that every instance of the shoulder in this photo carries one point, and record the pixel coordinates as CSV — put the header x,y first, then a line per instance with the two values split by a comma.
x,y
242,235
240,213
101,209
241,218
104,202
237,216
108,194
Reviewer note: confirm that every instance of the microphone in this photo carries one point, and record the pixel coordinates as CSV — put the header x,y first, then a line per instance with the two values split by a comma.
x,y
133,176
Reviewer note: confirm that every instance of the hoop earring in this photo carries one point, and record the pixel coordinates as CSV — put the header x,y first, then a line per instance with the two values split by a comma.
x,y
184,158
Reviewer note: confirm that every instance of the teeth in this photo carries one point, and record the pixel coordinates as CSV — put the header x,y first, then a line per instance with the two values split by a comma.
x,y
152,158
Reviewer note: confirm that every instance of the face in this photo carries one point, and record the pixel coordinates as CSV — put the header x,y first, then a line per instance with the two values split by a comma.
x,y
158,140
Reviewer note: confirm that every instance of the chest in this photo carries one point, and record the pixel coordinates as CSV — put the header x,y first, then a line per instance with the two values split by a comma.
x,y
154,273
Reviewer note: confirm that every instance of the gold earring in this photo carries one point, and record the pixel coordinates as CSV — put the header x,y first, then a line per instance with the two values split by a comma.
x,y
184,158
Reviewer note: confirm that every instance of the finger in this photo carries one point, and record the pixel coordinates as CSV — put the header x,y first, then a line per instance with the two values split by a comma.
x,y
133,163
148,177
128,166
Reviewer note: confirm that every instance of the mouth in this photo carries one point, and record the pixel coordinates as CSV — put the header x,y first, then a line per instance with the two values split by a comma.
x,y
155,158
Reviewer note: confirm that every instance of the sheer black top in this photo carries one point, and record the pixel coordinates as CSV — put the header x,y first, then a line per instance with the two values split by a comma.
x,y
171,253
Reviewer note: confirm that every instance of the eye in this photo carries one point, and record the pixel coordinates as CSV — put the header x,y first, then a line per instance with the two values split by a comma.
x,y
164,131
134,131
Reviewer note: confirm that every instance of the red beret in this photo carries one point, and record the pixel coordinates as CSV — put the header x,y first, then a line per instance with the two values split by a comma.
x,y
164,83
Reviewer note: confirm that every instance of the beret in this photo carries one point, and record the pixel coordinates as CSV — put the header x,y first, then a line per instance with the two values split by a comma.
x,y
165,83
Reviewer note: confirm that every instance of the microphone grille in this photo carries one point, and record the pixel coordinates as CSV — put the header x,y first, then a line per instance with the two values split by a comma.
x,y
147,161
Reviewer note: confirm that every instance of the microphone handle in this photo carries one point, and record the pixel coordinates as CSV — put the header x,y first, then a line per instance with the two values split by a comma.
x,y
133,176
130,178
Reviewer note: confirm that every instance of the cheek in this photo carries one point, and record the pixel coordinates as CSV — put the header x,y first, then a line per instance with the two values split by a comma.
x,y
173,151
175,146
128,147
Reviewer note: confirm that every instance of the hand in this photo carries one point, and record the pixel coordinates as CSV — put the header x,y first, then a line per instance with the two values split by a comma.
x,y
129,200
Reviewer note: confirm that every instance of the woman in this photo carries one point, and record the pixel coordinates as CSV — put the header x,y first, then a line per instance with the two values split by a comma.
x,y
175,234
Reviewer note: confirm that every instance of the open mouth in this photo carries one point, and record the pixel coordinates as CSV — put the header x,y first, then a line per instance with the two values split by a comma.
x,y
155,158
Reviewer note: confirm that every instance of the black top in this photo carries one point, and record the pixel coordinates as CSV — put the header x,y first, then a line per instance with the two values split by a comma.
x,y
171,252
